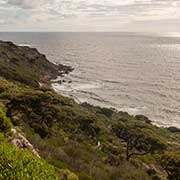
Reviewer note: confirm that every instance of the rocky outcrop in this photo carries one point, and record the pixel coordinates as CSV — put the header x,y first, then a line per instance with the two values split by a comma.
x,y
27,65
22,143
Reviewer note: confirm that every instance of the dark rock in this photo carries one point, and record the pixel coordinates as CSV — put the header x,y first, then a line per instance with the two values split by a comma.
x,y
59,82
173,129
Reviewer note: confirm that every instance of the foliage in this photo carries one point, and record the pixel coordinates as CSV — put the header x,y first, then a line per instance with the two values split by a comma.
x,y
83,176
153,174
143,118
106,111
139,139
66,174
22,165
44,109
171,164
79,137
5,123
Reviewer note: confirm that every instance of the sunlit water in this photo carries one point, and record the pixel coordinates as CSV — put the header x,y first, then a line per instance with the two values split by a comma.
x,y
135,73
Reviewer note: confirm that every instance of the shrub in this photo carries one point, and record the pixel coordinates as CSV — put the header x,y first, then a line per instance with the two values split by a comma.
x,y
140,140
83,176
5,123
106,111
22,165
143,118
153,174
65,174
171,164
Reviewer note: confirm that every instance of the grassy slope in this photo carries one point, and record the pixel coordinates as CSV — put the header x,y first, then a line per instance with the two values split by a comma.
x,y
17,164
21,164
67,134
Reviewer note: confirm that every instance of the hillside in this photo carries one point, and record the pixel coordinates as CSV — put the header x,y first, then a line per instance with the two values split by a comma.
x,y
74,141
27,65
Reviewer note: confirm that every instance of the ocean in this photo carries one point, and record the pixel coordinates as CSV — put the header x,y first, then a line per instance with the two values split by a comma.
x,y
137,73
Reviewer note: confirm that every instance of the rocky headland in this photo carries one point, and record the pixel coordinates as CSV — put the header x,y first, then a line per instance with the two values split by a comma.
x,y
27,65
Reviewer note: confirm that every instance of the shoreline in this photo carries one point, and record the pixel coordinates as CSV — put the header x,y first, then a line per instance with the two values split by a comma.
x,y
53,77
54,83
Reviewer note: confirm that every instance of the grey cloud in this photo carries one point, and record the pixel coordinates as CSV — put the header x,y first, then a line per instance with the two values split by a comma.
x,y
45,11
138,7
83,6
20,3
25,4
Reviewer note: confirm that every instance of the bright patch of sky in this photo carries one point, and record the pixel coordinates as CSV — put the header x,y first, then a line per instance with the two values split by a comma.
x,y
90,15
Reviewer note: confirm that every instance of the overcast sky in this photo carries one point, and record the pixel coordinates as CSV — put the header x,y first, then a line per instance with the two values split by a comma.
x,y
90,15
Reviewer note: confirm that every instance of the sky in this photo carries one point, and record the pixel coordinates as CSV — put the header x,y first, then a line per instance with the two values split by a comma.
x,y
90,15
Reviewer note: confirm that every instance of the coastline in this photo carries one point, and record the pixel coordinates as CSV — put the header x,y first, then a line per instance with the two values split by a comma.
x,y
56,85
54,77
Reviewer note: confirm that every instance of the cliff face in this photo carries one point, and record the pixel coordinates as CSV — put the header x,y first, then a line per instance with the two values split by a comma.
x,y
27,65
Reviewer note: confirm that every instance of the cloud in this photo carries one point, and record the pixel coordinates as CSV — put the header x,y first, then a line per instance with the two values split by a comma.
x,y
54,12
24,4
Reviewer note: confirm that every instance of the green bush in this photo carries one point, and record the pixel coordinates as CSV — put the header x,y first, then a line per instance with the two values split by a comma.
x,y
87,139
107,111
83,176
22,165
65,174
139,138
143,118
170,161
5,123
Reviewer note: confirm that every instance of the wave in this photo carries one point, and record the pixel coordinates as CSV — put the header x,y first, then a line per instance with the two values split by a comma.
x,y
27,45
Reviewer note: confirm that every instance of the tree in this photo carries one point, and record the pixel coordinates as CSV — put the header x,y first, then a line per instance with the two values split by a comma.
x,y
139,138
171,164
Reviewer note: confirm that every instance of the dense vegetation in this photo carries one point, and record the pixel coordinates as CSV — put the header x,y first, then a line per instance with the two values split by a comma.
x,y
22,165
93,142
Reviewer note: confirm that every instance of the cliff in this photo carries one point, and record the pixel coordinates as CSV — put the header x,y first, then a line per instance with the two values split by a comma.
x,y
27,65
